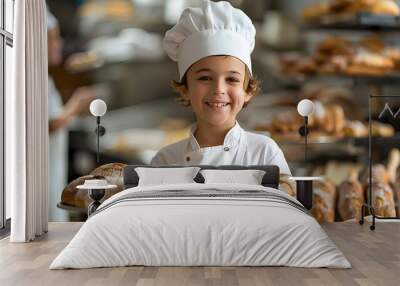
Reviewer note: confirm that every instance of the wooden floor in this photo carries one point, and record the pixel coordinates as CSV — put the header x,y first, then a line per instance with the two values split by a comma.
x,y
374,255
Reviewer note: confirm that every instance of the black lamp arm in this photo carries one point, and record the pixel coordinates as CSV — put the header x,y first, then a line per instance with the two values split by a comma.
x,y
305,137
100,131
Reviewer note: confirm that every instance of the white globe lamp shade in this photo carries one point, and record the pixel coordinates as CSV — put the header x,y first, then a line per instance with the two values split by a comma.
x,y
305,107
98,107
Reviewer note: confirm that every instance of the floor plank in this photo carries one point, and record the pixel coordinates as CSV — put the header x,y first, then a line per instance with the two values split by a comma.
x,y
375,257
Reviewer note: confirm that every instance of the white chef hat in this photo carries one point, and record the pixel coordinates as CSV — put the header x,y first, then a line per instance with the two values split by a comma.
x,y
51,21
216,28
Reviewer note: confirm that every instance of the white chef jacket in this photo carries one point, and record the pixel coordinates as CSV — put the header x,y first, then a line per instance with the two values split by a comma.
x,y
58,162
240,148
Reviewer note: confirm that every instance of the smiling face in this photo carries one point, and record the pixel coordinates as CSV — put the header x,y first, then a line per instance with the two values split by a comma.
x,y
215,90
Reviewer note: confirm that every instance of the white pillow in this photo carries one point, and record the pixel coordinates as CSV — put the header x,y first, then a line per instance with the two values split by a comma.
x,y
248,177
163,176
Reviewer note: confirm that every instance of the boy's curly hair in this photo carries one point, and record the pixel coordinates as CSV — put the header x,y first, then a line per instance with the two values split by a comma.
x,y
251,85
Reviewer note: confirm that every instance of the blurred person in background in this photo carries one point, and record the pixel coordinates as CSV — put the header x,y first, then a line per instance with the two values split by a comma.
x,y
59,118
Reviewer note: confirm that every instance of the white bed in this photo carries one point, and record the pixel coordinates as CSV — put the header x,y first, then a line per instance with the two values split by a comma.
x,y
252,225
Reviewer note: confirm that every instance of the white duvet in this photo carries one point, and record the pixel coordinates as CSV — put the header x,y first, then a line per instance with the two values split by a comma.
x,y
183,231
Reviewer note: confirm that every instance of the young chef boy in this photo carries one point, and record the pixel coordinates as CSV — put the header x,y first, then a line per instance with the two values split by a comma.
x,y
212,46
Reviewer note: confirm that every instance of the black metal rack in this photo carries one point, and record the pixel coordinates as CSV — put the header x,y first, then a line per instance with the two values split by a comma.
x,y
369,205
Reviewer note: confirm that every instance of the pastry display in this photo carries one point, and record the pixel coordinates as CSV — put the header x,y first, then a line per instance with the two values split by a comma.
x,y
349,57
336,55
331,95
339,8
340,185
382,193
337,173
334,117
328,120
352,193
357,129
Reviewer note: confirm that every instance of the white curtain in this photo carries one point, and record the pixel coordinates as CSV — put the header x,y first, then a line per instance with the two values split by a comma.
x,y
27,124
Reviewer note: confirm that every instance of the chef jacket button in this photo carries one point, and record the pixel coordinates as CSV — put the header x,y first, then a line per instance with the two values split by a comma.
x,y
187,159
226,149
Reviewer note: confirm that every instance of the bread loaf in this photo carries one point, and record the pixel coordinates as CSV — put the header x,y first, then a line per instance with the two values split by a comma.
x,y
382,197
79,198
287,185
386,7
324,198
350,197
394,176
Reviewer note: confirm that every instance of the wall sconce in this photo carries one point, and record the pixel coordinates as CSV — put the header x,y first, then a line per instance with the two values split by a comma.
x,y
98,108
304,185
305,108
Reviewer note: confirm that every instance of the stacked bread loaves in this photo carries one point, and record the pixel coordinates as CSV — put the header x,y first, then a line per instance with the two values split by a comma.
x,y
352,193
382,196
339,8
326,120
336,55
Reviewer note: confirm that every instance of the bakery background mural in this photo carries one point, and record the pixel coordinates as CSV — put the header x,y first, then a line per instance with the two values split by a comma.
x,y
113,50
